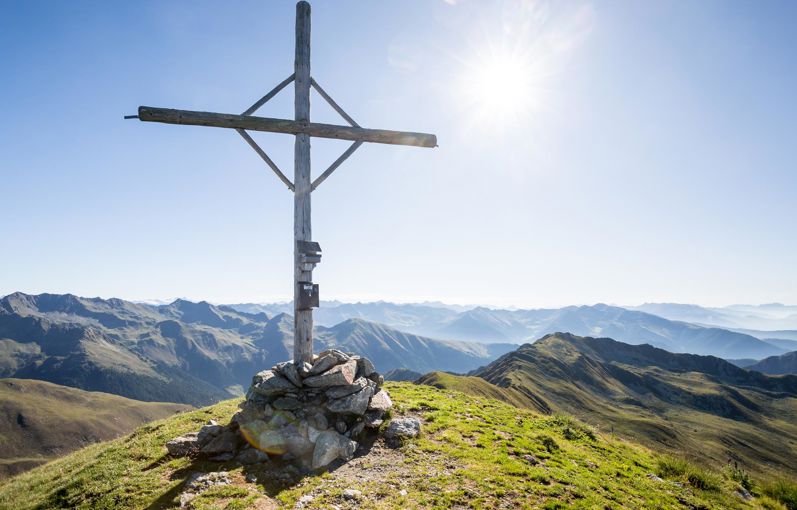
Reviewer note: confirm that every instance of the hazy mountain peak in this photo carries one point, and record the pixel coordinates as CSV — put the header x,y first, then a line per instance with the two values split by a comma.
x,y
777,365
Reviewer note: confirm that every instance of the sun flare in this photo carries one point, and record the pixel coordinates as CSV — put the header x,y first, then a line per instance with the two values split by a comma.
x,y
513,64
502,88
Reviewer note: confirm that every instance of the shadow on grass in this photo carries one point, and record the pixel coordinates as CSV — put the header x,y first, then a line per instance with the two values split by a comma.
x,y
271,477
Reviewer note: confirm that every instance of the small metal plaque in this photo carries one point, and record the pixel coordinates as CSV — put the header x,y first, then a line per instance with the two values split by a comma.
x,y
309,248
308,295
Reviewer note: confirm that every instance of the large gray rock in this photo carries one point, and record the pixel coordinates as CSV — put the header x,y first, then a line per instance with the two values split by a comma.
x,y
340,355
270,384
298,441
227,442
304,369
318,420
208,432
373,419
364,367
330,446
380,402
356,403
323,363
378,379
183,445
402,428
288,370
252,456
272,440
313,433
356,429
342,391
339,375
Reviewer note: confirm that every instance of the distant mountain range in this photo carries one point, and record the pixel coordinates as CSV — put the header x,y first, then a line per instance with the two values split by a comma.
x,y
187,352
487,325
769,317
197,353
677,402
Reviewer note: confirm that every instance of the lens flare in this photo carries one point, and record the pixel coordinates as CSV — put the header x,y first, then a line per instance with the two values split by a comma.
x,y
274,436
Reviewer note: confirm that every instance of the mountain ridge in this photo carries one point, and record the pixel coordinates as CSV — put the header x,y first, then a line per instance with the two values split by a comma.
x,y
485,325
777,365
188,352
678,402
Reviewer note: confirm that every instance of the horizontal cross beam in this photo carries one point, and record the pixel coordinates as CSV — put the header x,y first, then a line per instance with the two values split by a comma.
x,y
293,127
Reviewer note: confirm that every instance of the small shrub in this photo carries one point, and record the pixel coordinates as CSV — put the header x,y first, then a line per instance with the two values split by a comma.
x,y
739,476
671,467
572,429
697,477
702,479
782,490
548,443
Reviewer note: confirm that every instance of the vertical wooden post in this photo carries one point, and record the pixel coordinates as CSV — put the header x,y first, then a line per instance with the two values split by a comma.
x,y
303,319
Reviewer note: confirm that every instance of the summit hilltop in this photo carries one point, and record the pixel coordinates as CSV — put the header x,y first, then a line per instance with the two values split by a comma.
x,y
473,452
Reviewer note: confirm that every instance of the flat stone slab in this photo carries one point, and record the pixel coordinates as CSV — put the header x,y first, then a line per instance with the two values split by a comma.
x,y
330,446
342,356
289,371
356,403
323,363
339,375
183,445
208,432
380,402
270,384
226,442
343,391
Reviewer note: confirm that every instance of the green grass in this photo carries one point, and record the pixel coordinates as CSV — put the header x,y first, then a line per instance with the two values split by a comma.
x,y
682,412
479,387
474,453
784,491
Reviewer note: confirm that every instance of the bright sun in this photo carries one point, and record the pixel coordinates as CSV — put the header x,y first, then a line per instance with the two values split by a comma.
x,y
502,89
510,77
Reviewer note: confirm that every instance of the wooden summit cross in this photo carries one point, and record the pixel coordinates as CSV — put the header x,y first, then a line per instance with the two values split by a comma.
x,y
306,253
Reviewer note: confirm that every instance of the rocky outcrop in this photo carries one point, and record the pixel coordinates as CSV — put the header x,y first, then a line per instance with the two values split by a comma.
x,y
310,414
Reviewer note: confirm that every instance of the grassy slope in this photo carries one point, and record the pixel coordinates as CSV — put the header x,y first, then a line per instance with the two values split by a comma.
x,y
480,388
676,411
37,420
470,455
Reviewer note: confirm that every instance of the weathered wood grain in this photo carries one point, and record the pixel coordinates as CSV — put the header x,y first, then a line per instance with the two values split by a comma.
x,y
303,319
291,127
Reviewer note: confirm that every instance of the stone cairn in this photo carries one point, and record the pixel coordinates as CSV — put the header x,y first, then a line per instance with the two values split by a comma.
x,y
308,414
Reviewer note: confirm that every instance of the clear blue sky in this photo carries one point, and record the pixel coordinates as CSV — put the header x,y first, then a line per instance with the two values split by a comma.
x,y
613,151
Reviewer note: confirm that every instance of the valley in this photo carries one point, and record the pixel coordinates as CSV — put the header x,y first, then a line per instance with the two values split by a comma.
x,y
41,421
